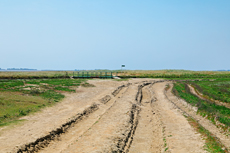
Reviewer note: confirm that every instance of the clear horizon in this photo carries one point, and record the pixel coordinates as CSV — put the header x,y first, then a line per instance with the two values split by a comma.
x,y
34,69
143,35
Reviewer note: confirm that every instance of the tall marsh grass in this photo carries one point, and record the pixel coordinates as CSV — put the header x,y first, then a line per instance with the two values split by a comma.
x,y
174,74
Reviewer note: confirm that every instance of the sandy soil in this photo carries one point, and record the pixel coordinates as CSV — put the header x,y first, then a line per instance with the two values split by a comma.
x,y
148,136
180,136
115,116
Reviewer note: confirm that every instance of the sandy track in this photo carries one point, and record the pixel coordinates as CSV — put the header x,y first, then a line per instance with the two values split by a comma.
x,y
132,116
180,136
81,128
110,132
148,136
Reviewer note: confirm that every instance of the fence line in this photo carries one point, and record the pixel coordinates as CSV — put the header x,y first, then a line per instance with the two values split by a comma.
x,y
102,75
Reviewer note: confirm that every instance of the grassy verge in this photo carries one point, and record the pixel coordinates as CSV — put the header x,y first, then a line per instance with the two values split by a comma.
x,y
205,108
217,89
211,143
22,97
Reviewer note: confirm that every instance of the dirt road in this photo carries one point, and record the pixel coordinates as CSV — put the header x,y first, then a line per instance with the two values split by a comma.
x,y
115,116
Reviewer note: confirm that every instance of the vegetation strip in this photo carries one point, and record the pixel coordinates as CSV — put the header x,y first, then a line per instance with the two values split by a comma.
x,y
164,139
206,108
212,144
217,89
173,74
35,75
205,97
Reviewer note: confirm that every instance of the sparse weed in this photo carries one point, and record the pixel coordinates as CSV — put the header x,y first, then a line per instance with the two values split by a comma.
x,y
86,84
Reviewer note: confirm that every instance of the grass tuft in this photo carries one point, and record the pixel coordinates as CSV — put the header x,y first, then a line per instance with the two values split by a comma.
x,y
85,84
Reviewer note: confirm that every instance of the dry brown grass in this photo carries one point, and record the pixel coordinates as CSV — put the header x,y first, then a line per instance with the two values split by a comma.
x,y
137,73
34,74
170,72
174,74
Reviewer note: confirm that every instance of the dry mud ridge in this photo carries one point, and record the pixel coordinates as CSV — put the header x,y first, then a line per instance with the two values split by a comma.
x,y
132,116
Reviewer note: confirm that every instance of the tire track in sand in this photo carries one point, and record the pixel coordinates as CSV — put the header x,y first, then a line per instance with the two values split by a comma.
x,y
135,120
180,137
111,132
148,137
60,138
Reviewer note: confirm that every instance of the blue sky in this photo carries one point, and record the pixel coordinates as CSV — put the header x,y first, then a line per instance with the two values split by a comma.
x,y
103,34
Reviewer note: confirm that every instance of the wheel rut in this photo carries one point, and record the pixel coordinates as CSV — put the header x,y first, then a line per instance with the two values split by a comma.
x,y
148,136
60,138
178,135
111,133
